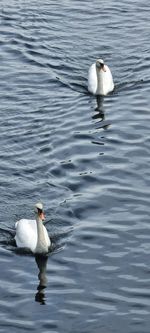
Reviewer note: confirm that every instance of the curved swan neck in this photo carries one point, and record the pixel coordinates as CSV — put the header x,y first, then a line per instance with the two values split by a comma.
x,y
41,246
99,80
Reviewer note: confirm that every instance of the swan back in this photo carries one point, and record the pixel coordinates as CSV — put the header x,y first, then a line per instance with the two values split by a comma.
x,y
92,79
26,234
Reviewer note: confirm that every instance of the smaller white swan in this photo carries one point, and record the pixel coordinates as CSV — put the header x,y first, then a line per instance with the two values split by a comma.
x,y
32,234
100,80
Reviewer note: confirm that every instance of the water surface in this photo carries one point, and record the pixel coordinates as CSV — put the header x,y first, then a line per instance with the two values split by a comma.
x,y
86,160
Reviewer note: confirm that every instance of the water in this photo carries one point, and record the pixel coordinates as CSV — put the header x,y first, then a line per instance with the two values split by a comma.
x,y
86,160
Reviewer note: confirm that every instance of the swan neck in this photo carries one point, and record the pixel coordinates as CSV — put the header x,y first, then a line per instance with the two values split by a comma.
x,y
41,246
99,80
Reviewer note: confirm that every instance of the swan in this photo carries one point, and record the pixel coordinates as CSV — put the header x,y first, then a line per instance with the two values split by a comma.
x,y
32,234
100,80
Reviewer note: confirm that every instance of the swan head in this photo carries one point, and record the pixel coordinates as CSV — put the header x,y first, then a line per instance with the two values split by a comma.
x,y
100,65
39,211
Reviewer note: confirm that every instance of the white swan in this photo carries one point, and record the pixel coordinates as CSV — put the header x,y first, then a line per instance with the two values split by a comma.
x,y
100,80
32,234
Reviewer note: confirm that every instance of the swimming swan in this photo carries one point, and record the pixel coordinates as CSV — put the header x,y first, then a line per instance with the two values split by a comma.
x,y
100,80
32,234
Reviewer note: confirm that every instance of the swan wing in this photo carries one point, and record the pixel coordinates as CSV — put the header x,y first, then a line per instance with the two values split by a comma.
x,y
26,234
92,79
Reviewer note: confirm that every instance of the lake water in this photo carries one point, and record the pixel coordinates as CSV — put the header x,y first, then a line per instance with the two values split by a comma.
x,y
88,161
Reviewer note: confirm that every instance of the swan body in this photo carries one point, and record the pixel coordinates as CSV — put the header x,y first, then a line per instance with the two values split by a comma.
x,y
32,234
100,80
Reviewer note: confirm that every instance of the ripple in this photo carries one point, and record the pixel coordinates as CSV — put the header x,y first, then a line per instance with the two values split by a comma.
x,y
86,159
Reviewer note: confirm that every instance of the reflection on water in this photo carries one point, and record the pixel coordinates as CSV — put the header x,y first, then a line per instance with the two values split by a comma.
x,y
41,261
100,114
92,177
100,104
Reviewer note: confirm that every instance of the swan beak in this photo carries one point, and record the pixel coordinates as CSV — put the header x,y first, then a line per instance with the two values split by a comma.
x,y
42,216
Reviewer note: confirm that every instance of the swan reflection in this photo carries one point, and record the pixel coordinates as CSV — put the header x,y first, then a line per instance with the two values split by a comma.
x,y
100,107
100,115
41,261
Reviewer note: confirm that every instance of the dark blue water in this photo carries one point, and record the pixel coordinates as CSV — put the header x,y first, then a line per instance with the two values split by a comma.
x,y
86,160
